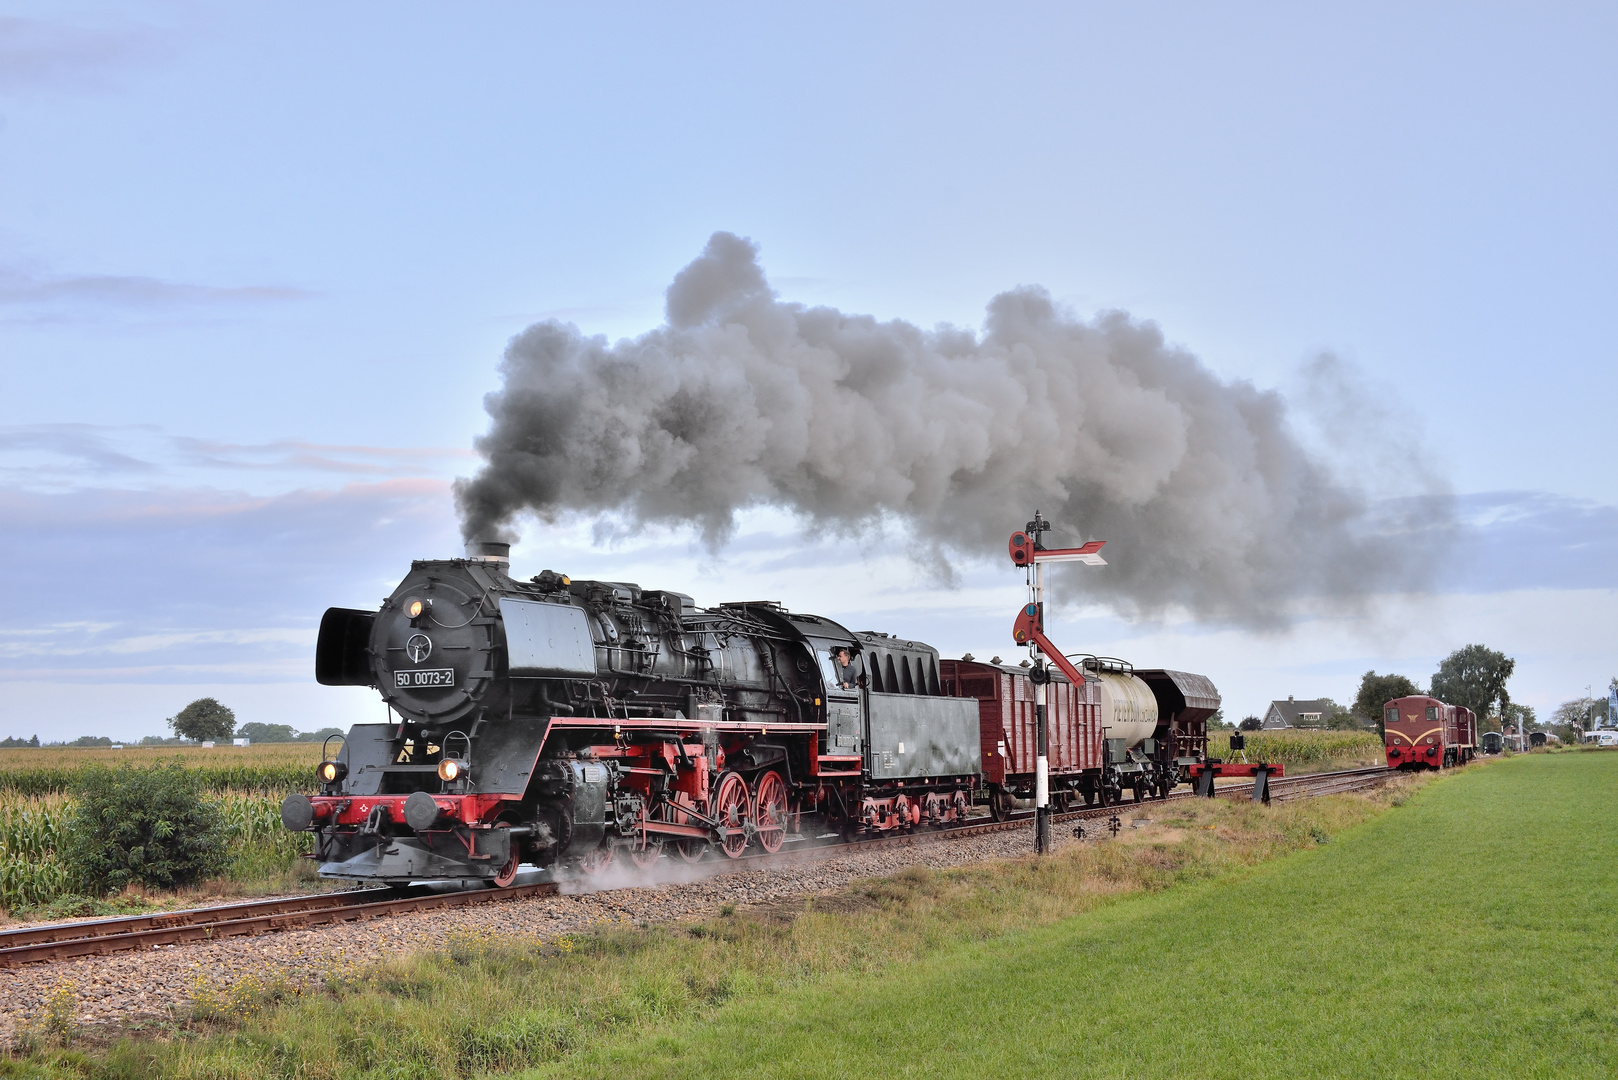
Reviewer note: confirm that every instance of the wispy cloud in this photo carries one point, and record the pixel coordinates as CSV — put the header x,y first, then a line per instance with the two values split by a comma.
x,y
324,457
39,54
84,449
211,582
1533,539
56,457
55,297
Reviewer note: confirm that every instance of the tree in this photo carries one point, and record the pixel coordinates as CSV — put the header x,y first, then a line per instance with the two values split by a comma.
x,y
1250,723
154,826
1376,691
319,736
1520,717
1474,677
1573,713
204,719
1341,719
267,732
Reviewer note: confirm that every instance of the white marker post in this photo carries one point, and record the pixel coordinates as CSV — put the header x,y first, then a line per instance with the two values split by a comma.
x,y
1042,739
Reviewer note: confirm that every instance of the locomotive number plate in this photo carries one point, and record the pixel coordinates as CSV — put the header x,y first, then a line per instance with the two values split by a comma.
x,y
409,680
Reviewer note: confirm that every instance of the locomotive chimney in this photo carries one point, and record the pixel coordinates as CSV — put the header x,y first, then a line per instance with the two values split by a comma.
x,y
490,551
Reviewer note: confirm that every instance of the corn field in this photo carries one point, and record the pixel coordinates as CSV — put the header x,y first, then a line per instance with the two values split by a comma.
x,y
34,830
57,780
1301,748
30,833
267,768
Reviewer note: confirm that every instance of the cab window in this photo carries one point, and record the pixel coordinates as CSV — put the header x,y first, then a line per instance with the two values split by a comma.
x,y
1392,716
1432,713
841,675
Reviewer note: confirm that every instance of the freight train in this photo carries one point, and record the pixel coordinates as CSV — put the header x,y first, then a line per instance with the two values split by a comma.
x,y
1422,732
568,724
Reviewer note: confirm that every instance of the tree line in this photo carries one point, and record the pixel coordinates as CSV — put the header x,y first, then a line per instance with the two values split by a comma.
x,y
204,720
1475,677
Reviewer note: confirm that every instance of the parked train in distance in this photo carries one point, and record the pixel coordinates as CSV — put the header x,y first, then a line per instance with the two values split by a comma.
x,y
568,724
1425,733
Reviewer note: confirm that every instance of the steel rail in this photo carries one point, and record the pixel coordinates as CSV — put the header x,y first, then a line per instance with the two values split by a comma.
x,y
63,941
141,932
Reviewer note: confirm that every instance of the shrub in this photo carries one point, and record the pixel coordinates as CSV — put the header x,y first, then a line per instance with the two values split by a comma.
x,y
153,826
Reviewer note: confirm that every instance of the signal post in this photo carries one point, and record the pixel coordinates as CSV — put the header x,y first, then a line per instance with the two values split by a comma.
x,y
1028,550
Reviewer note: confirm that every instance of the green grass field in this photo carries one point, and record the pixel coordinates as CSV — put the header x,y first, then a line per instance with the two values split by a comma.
x,y
1469,932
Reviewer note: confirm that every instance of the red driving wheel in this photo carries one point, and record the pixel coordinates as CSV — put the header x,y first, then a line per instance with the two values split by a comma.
x,y
730,810
690,849
770,813
508,872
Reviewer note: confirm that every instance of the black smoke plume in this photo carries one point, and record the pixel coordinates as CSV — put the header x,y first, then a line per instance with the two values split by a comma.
x,y
1209,501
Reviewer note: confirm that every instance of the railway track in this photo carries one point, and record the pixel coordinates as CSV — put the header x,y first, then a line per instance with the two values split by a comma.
x,y
63,941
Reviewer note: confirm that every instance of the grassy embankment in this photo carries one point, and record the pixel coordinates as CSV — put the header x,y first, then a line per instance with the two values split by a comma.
x,y
247,783
1468,933
1464,932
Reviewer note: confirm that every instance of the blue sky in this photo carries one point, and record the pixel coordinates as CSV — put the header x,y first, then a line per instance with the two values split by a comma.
x,y
257,268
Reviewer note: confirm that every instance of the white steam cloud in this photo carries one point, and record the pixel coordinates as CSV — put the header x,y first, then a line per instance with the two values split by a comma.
x,y
1208,500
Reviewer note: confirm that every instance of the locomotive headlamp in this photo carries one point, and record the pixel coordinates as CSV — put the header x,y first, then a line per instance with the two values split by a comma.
x,y
330,772
451,770
415,609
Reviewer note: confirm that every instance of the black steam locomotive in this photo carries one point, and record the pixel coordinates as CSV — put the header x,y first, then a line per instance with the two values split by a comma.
x,y
554,721
570,723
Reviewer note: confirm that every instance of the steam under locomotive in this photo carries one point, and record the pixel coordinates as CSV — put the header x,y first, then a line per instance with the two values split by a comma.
x,y
569,723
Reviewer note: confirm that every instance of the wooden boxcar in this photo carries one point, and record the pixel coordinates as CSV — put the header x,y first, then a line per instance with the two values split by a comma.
x,y
1006,730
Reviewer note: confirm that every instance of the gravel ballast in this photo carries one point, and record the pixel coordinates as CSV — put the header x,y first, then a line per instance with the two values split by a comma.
x,y
131,988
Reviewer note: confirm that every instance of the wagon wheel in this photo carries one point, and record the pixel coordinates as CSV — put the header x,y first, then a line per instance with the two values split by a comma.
x,y
901,812
870,816
688,848
508,872
730,809
770,811
596,860
957,803
646,855
933,809
1139,790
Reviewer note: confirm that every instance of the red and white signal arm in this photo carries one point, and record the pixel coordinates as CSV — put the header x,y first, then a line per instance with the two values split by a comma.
x,y
1024,553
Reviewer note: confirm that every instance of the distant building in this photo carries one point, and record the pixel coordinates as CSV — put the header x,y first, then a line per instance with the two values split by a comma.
x,y
1293,713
